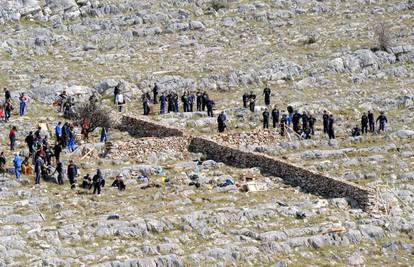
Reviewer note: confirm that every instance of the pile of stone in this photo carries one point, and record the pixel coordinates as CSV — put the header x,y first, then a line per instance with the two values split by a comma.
x,y
255,138
140,149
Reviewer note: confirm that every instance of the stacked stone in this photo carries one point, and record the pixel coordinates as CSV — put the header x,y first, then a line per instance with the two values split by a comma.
x,y
309,181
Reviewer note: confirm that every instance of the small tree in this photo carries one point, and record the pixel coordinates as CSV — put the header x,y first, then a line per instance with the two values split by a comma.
x,y
384,36
94,115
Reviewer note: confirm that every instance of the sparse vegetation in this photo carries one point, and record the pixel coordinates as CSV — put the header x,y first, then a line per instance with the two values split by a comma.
x,y
384,37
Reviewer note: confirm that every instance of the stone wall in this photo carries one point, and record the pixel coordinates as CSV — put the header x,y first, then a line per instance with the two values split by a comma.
x,y
142,128
309,181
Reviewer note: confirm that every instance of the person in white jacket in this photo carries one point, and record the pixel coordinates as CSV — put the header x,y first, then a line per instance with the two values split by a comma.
x,y
120,101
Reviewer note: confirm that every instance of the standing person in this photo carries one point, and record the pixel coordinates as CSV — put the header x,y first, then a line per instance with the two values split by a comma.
x,y
283,123
190,102
175,102
221,121
57,149
265,119
12,137
2,163
104,135
98,182
295,121
30,143
312,121
245,99
62,98
17,163
305,121
199,100
85,130
145,103
290,114
120,101
252,104
267,93
163,101
38,169
7,94
364,123
60,171
48,155
210,105
371,121
205,100
117,91
58,131
325,119
38,133
65,135
72,143
382,119
72,173
155,91
331,131
275,117
184,100
8,107
23,101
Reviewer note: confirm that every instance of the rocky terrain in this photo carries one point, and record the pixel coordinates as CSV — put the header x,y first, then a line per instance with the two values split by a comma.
x,y
314,55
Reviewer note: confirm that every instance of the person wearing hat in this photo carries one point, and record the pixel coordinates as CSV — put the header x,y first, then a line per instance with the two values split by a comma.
x,y
119,182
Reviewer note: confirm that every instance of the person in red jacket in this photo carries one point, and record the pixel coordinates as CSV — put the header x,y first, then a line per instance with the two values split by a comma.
x,y
12,136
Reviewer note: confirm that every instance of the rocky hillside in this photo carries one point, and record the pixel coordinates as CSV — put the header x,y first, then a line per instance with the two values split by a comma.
x,y
346,57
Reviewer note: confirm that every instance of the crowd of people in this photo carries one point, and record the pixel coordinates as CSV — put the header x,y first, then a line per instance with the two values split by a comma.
x,y
44,159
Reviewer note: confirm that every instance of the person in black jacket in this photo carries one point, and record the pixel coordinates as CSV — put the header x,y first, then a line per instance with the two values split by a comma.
x,y
199,100
155,91
295,121
210,105
331,131
117,91
119,183
57,149
364,123
59,170
382,119
245,99
221,121
312,121
72,173
325,119
30,143
266,116
98,182
371,121
267,93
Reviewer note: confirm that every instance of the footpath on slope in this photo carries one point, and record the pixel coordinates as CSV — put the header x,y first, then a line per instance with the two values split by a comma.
x,y
308,181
